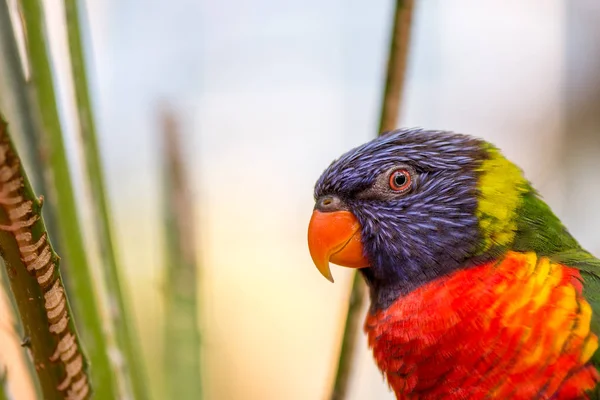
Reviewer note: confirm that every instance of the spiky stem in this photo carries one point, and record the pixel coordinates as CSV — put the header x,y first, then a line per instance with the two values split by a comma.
x,y
126,337
33,271
80,276
396,70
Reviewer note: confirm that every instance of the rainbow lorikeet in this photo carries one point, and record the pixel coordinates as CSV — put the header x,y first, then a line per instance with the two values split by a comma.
x,y
477,289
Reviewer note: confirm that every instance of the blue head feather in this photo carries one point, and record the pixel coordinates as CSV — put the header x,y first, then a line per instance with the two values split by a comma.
x,y
420,235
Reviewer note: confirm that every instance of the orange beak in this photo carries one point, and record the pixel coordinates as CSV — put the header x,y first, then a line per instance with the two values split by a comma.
x,y
335,237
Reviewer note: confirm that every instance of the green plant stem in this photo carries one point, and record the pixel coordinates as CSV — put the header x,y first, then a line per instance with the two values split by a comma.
x,y
351,332
33,270
18,104
80,277
396,70
122,321
182,336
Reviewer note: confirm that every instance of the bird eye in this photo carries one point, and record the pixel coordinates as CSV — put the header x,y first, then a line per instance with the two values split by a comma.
x,y
400,180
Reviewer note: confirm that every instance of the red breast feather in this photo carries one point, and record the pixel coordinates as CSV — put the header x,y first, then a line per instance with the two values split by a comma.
x,y
517,329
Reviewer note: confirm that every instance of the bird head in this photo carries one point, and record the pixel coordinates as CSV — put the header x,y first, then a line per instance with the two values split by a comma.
x,y
412,205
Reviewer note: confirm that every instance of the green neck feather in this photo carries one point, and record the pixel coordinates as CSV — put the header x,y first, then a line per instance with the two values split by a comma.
x,y
539,230
512,215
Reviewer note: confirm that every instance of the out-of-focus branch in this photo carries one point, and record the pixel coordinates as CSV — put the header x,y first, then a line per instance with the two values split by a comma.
x,y
394,84
182,336
396,69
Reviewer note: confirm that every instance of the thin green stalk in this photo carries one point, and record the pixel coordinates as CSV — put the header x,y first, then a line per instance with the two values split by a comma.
x,y
80,277
182,336
396,70
351,332
18,103
33,271
116,291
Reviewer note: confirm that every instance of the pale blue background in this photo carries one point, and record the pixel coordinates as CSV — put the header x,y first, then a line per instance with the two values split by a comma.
x,y
269,92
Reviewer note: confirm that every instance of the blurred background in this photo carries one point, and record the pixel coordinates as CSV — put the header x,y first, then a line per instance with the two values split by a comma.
x,y
267,93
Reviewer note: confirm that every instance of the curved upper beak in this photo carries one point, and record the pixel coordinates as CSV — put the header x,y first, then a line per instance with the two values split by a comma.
x,y
335,237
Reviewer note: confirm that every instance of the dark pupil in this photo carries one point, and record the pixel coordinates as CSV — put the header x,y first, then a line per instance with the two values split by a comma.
x,y
400,179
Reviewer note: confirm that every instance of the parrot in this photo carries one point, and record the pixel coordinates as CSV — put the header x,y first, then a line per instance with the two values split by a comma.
x,y
477,290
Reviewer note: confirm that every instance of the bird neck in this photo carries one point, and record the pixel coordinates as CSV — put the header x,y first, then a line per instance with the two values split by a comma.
x,y
535,228
385,290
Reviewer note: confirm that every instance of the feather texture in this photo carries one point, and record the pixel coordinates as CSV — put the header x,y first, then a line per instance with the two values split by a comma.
x,y
477,289
514,329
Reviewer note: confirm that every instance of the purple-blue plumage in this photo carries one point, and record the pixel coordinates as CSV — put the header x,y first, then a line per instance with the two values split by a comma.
x,y
421,235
